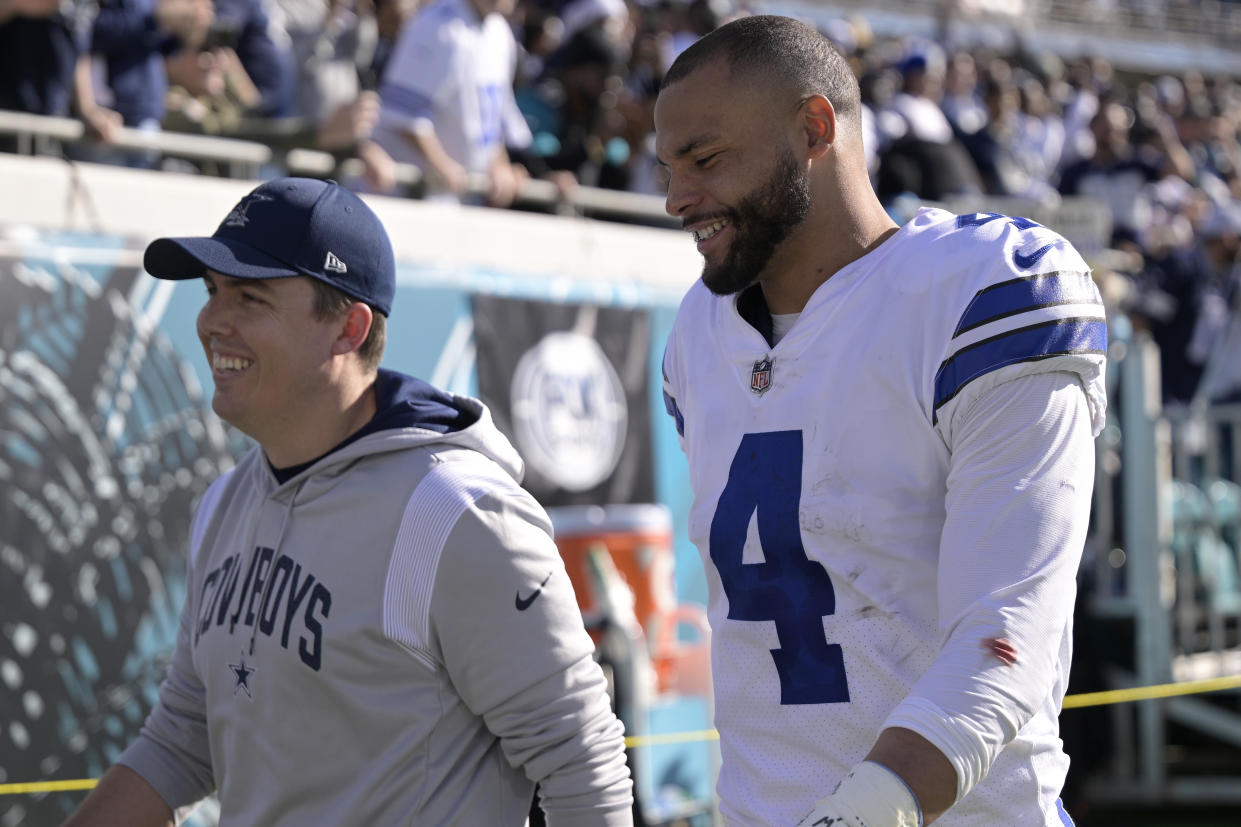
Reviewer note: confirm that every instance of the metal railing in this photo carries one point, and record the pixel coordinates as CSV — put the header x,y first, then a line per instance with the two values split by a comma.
x,y
1163,561
1208,21
242,158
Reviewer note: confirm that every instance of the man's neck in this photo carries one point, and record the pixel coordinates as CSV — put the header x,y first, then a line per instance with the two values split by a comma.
x,y
817,251
318,432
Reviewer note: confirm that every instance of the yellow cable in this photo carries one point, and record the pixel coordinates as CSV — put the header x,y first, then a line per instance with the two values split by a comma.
x,y
48,786
671,738
1146,693
1111,696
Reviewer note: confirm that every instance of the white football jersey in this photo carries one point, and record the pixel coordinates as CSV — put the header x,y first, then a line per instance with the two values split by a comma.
x,y
866,522
455,72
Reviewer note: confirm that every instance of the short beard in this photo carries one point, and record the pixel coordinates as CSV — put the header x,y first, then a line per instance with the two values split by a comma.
x,y
760,221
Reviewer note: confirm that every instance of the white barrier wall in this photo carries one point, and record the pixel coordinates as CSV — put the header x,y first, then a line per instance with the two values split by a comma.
x,y
58,195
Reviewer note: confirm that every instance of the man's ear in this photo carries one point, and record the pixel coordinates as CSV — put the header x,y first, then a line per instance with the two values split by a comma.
x,y
818,120
355,326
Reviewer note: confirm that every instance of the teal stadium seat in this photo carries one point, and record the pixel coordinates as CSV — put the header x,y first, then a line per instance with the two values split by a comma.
x,y
1225,499
1200,521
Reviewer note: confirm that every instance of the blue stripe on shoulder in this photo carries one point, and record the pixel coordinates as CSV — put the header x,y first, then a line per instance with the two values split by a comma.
x,y
670,405
1019,295
406,100
1027,344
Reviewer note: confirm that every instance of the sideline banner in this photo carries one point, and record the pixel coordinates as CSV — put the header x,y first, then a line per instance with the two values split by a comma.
x,y
106,444
568,384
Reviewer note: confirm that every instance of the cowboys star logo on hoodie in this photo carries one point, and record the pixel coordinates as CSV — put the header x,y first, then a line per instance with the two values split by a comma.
x,y
241,674
239,216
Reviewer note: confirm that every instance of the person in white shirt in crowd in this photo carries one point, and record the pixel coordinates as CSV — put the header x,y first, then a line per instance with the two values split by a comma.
x,y
447,101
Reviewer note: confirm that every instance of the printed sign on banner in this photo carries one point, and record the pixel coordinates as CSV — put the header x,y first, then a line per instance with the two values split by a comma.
x,y
568,384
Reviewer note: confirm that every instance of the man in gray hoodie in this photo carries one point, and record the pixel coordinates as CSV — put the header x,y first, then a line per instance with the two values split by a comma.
x,y
378,628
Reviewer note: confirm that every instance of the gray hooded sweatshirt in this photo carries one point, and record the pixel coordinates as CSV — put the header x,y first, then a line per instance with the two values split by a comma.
x,y
388,636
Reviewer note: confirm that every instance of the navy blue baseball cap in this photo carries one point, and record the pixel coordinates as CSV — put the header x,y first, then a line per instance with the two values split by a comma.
x,y
290,227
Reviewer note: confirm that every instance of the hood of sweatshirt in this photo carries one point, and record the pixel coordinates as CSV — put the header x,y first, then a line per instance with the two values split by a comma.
x,y
411,413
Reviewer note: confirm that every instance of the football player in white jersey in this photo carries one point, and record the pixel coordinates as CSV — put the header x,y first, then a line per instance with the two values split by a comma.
x,y
448,104
890,439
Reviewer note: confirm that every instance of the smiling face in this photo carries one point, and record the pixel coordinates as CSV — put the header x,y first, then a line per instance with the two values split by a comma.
x,y
761,220
269,354
733,178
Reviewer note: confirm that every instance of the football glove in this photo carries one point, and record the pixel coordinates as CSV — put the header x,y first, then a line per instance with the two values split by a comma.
x,y
871,795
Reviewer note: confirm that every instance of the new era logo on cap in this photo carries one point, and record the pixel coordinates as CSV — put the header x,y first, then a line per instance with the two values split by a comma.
x,y
334,264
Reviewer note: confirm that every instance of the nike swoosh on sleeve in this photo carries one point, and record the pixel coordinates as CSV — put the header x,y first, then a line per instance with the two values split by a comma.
x,y
1025,262
523,603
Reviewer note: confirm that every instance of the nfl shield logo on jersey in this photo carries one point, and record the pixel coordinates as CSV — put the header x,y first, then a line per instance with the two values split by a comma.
x,y
760,376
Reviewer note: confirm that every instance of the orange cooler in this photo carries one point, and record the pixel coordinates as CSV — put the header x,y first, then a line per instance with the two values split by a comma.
x,y
639,540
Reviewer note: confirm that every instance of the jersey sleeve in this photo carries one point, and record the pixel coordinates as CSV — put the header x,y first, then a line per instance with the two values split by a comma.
x,y
1015,382
1018,508
506,625
517,134
1029,306
423,70
672,384
172,752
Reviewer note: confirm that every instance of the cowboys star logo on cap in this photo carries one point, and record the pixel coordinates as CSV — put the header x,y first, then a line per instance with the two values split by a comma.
x,y
239,217
760,375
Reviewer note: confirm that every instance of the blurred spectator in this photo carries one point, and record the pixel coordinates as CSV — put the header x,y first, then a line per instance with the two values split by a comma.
x,y
332,43
1087,78
647,59
580,110
1210,137
645,71
336,49
132,37
540,32
390,19
101,122
1170,287
878,85
993,147
216,63
917,100
1216,342
924,156
1117,174
1040,134
962,104
1014,151
694,19
448,103
244,27
208,91
611,15
38,49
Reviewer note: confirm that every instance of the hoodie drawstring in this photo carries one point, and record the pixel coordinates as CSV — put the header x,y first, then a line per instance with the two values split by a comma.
x,y
284,524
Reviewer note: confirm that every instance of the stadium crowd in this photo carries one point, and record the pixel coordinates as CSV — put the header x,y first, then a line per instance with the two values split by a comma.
x,y
566,92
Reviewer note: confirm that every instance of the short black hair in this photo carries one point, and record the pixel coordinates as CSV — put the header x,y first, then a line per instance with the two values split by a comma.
x,y
780,47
